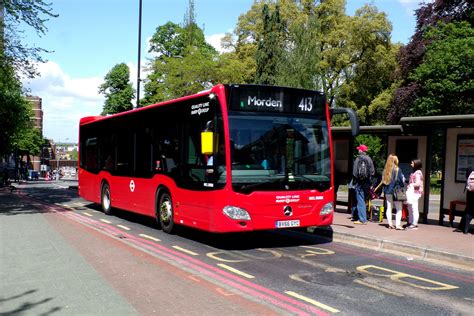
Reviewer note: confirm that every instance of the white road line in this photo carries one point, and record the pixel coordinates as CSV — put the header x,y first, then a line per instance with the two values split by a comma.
x,y
189,252
105,221
311,301
87,214
149,237
246,275
123,227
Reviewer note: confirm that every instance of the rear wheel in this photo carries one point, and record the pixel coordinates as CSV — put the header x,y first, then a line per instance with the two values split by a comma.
x,y
105,199
165,212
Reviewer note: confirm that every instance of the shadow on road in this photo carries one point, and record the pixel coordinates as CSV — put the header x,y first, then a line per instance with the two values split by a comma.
x,y
26,305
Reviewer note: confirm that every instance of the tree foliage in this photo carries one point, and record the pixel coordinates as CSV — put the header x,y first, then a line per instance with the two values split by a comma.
x,y
322,46
14,13
118,90
428,16
446,74
270,48
184,64
15,111
17,131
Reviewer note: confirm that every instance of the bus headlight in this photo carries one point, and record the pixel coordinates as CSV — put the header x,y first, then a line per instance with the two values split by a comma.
x,y
235,212
327,209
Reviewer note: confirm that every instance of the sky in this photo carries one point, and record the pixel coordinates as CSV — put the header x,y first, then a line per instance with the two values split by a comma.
x,y
90,37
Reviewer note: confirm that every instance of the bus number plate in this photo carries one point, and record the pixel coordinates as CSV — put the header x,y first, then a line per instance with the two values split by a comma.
x,y
286,224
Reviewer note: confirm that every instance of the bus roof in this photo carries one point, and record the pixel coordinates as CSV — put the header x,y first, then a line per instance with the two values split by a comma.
x,y
90,119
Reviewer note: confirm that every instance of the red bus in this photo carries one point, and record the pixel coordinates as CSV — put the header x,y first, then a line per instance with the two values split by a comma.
x,y
234,158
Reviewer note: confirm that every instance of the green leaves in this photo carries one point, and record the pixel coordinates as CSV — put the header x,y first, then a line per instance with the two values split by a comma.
x,y
446,74
118,90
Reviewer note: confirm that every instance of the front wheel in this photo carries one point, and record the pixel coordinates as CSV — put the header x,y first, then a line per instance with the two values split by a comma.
x,y
105,199
165,213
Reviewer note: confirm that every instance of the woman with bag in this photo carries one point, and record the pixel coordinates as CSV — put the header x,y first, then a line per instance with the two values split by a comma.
x,y
392,177
414,192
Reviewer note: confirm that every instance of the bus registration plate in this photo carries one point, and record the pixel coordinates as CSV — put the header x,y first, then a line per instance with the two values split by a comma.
x,y
286,224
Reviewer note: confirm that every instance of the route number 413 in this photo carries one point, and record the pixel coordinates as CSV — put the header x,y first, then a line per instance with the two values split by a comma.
x,y
306,105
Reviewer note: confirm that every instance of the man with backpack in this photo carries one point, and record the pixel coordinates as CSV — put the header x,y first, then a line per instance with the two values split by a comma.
x,y
362,173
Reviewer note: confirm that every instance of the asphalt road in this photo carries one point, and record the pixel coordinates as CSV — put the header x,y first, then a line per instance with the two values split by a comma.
x,y
282,272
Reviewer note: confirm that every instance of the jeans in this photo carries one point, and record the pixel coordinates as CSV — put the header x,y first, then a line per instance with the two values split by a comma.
x,y
361,191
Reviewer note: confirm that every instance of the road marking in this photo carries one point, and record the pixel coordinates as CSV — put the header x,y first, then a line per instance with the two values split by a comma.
x,y
215,256
81,204
316,251
105,221
123,227
402,277
248,276
87,214
376,287
189,252
149,237
311,301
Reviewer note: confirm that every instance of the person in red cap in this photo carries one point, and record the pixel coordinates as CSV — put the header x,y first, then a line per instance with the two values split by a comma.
x,y
362,173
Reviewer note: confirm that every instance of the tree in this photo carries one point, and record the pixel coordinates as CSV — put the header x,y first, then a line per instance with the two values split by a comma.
x,y
15,59
412,54
321,45
445,76
28,141
184,64
118,90
15,111
270,48
14,13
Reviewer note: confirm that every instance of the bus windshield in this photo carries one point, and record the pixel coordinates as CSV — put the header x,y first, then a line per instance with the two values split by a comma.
x,y
279,152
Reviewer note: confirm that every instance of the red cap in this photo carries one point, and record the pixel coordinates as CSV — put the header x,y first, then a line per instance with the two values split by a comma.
x,y
362,147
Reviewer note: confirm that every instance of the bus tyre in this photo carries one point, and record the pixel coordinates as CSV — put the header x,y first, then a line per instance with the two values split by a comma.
x,y
165,212
105,199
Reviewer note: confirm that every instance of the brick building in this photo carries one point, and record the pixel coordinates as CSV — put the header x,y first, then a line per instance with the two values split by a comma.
x,y
37,107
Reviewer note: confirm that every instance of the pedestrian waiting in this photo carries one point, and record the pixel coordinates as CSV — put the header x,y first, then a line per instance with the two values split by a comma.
x,y
362,174
392,177
414,193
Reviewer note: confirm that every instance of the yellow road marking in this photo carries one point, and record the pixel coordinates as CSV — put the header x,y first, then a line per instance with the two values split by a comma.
x,y
87,214
311,301
149,237
123,227
248,276
189,252
376,287
405,278
105,221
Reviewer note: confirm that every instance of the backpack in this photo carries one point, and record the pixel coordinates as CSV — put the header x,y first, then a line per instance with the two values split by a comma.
x,y
362,171
470,182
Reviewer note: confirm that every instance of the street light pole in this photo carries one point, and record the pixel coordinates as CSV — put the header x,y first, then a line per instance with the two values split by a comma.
x,y
139,50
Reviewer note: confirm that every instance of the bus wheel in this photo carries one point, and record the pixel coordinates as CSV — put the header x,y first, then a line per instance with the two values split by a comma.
x,y
106,202
166,213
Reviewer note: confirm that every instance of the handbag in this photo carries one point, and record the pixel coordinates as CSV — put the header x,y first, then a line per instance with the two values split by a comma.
x,y
400,191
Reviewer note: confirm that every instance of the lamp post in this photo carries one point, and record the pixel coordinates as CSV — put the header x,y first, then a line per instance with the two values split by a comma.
x,y
139,50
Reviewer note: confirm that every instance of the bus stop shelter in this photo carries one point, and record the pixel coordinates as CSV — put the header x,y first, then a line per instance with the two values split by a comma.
x,y
414,138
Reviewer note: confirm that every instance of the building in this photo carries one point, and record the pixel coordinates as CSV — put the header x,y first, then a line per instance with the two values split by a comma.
x,y
37,107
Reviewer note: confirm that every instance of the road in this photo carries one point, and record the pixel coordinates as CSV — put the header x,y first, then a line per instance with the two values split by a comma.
x,y
278,272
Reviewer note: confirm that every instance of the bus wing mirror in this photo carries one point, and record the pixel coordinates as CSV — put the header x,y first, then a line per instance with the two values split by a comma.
x,y
355,127
207,143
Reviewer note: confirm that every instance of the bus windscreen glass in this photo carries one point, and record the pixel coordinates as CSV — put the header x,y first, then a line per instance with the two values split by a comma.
x,y
276,152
